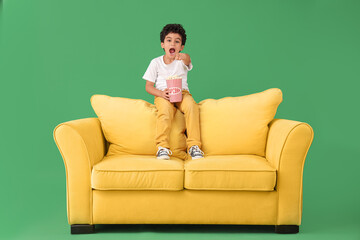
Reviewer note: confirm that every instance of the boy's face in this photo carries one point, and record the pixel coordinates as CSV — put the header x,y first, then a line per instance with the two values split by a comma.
x,y
172,44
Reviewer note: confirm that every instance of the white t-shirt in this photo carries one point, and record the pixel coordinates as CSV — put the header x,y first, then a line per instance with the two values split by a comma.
x,y
158,71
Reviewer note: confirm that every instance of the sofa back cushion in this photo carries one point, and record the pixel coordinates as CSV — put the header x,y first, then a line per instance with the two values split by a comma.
x,y
238,125
129,126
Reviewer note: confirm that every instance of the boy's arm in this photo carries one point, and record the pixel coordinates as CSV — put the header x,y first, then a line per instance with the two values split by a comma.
x,y
187,60
149,87
153,91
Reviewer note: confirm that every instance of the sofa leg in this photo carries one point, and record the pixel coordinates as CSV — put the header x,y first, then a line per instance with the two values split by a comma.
x,y
82,228
286,228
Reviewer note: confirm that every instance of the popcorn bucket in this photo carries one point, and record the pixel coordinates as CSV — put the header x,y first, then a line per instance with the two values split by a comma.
x,y
174,84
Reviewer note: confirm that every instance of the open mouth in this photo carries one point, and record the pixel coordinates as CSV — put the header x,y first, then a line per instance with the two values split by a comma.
x,y
172,51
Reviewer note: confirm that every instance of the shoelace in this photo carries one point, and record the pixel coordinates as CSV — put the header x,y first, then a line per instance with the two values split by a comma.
x,y
164,149
196,149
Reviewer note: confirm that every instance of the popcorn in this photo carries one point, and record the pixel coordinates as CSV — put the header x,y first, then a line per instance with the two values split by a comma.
x,y
173,77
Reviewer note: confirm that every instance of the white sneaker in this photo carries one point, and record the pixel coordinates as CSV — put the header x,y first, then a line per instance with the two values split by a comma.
x,y
163,153
195,152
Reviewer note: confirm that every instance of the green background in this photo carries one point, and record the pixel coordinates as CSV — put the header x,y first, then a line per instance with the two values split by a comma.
x,y
56,54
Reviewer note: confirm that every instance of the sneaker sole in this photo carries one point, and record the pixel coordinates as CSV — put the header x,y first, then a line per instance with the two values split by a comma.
x,y
197,157
163,158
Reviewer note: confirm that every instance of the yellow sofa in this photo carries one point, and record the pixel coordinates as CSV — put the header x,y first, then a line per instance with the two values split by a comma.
x,y
251,173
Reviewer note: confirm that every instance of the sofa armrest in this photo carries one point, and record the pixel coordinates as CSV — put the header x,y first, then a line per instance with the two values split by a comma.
x,y
287,146
81,144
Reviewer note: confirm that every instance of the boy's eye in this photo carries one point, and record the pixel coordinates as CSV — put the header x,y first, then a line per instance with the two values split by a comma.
x,y
176,41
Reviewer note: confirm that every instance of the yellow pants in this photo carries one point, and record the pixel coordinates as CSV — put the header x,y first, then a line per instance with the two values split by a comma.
x,y
165,114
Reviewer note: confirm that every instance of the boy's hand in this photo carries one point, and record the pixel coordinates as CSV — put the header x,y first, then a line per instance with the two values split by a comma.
x,y
166,94
184,57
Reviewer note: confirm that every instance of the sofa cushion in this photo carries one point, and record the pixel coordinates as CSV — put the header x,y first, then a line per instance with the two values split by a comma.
x,y
230,172
129,126
238,125
138,172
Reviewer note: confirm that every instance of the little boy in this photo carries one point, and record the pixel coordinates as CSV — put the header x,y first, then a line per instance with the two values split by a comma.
x,y
173,40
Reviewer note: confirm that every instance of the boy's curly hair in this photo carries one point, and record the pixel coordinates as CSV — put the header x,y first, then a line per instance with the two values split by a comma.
x,y
173,28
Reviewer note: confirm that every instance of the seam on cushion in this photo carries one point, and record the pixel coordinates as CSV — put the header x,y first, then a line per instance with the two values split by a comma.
x,y
181,170
148,155
280,156
170,189
230,170
233,189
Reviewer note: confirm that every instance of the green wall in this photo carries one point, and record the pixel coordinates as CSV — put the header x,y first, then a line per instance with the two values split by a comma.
x,y
55,54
